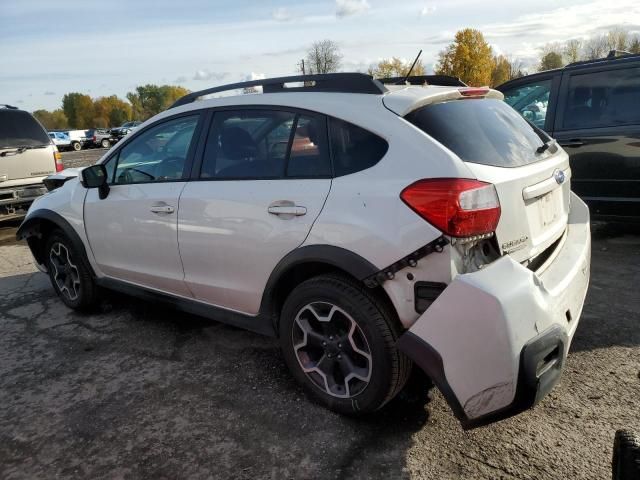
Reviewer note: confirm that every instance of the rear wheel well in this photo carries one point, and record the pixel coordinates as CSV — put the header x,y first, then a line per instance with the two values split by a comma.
x,y
297,274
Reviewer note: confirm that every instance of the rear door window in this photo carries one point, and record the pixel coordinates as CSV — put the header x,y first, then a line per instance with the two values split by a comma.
x,y
20,129
484,131
266,144
603,99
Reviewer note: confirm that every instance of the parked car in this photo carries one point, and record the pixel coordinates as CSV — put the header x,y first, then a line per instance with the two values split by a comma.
x,y
123,130
60,140
79,139
401,224
101,137
27,157
593,109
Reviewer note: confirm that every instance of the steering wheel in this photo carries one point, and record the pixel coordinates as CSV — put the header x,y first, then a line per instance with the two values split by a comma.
x,y
170,168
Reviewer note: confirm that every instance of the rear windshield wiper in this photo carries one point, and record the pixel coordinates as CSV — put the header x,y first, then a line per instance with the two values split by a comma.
x,y
545,146
21,149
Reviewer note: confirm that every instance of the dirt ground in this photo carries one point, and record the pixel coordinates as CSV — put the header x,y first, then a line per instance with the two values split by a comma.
x,y
140,391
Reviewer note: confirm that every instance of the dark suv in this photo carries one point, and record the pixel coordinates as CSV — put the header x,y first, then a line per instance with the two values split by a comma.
x,y
592,109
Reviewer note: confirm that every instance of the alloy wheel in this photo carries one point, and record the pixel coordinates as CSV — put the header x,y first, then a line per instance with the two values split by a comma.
x,y
65,272
332,349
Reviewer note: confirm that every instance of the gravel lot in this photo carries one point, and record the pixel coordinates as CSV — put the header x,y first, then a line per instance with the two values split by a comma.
x,y
136,390
83,157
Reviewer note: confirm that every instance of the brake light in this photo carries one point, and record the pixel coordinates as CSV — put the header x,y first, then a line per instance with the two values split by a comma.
x,y
94,138
459,207
57,157
474,92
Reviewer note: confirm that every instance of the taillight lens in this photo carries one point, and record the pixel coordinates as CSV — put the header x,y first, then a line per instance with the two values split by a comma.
x,y
474,91
459,207
57,157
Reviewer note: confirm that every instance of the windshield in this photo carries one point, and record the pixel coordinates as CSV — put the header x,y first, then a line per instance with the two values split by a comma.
x,y
19,129
486,131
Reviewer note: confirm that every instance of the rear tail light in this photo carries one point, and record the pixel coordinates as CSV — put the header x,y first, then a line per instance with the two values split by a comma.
x,y
94,138
474,92
458,207
57,157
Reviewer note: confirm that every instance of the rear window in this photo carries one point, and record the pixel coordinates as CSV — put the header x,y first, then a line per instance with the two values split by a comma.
x,y
19,129
487,131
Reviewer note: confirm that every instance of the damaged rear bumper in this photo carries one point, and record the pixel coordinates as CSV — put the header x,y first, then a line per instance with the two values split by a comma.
x,y
495,341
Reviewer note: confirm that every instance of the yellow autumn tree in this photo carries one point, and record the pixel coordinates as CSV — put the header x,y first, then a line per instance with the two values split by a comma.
x,y
469,57
395,67
501,70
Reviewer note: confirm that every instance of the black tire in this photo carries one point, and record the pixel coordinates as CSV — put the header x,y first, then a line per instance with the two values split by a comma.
x,y
77,146
105,143
625,464
388,367
80,293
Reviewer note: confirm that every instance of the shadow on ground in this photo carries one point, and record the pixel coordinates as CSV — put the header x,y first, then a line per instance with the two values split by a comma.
x,y
611,315
142,391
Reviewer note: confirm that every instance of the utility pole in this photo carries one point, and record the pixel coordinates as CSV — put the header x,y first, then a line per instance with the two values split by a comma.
x,y
302,63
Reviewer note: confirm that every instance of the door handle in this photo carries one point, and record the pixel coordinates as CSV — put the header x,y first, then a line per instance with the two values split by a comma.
x,y
162,208
286,208
572,143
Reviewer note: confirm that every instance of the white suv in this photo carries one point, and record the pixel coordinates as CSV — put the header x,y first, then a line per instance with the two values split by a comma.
x,y
27,157
368,227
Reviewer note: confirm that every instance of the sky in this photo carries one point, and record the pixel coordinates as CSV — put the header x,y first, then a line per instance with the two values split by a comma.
x,y
51,47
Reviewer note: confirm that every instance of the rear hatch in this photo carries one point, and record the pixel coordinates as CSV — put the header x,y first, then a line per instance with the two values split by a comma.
x,y
26,151
530,172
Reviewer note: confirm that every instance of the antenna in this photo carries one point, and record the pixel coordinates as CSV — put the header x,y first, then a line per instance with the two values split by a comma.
x,y
411,69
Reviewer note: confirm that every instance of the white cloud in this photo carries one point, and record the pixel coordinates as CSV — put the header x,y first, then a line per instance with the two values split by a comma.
x,y
427,10
207,75
345,8
281,15
253,76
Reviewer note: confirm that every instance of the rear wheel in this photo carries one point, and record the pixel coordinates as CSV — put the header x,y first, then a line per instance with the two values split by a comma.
x,y
339,342
70,277
105,143
626,456
76,146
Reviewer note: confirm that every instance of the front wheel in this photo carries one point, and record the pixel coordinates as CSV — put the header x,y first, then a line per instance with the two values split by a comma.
x,y
105,143
76,146
339,340
70,277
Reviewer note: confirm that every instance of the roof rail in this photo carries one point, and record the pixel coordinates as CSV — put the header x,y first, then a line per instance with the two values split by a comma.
x,y
441,80
327,82
11,107
612,55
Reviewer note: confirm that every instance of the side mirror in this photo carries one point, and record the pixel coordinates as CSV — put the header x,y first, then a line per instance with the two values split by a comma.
x,y
95,176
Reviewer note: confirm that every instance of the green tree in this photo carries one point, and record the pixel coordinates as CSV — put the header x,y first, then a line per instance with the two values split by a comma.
x,y
395,67
550,60
78,109
501,70
111,111
469,57
634,45
149,100
52,120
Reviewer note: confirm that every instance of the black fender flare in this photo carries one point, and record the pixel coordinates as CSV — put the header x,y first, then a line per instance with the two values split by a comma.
x,y
30,229
341,258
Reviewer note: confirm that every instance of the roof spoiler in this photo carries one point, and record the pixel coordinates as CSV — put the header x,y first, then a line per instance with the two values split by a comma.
x,y
440,80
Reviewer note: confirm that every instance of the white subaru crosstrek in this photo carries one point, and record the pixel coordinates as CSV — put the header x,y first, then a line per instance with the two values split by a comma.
x,y
369,227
